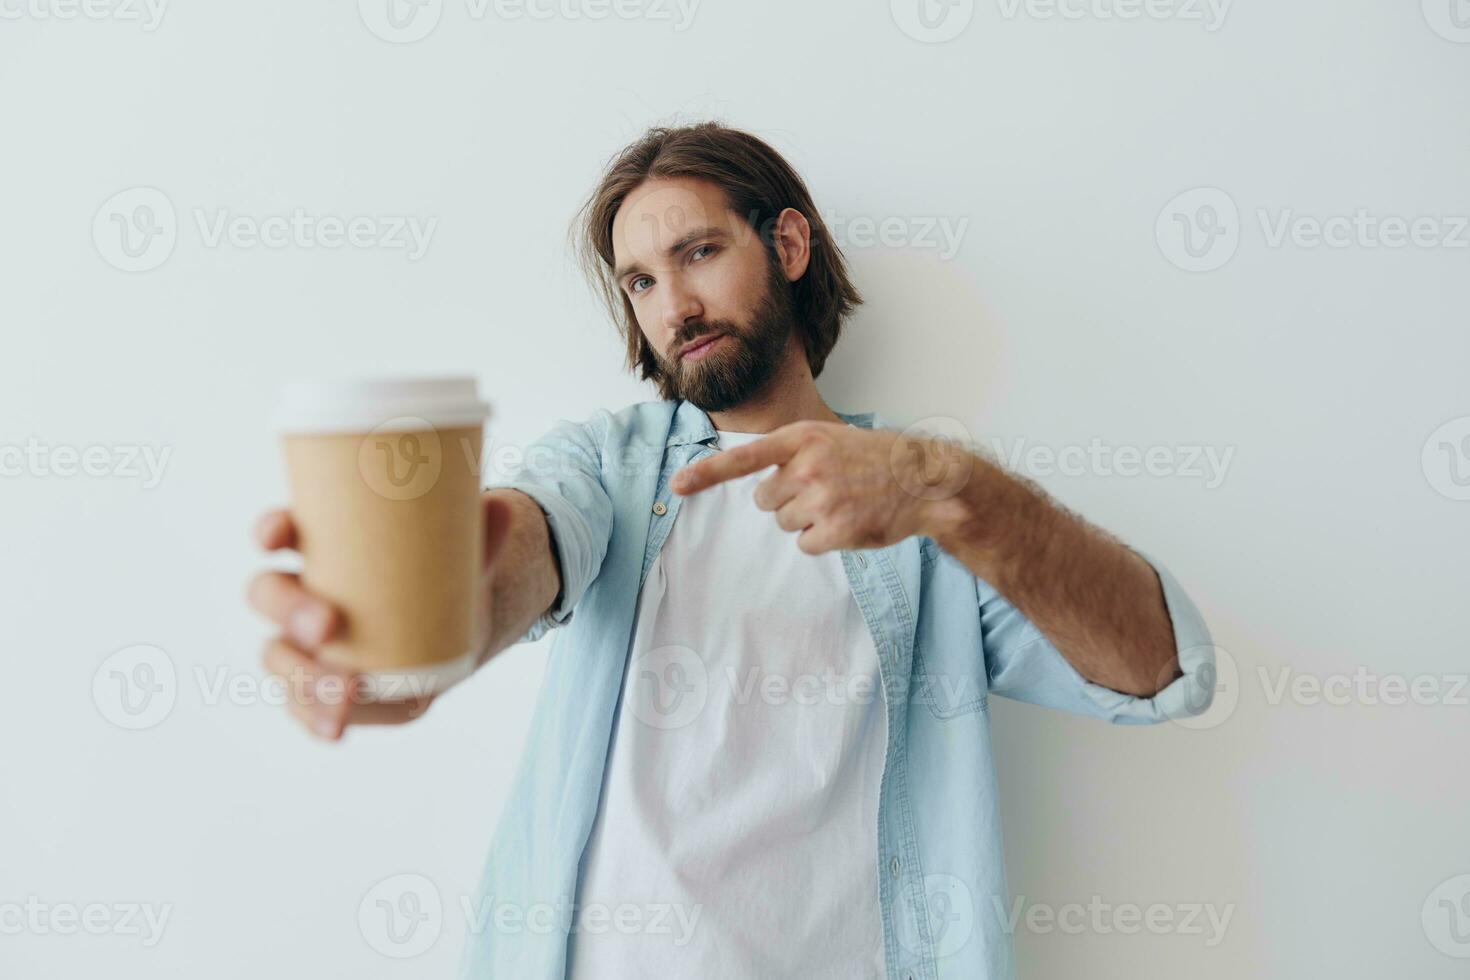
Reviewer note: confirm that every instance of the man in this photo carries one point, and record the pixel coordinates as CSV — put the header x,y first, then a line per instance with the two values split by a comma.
x,y
762,747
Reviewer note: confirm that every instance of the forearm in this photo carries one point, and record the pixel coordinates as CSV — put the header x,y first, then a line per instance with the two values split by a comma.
x,y
1097,601
524,580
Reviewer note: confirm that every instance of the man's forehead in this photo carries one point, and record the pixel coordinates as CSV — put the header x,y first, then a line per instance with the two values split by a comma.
x,y
659,214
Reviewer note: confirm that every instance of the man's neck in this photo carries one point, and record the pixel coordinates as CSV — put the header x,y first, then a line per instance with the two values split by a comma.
x,y
791,396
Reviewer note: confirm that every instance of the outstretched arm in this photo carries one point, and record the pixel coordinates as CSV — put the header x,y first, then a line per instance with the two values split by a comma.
x,y
1098,602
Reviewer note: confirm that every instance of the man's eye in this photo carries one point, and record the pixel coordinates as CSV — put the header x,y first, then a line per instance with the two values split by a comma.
x,y
701,248
633,286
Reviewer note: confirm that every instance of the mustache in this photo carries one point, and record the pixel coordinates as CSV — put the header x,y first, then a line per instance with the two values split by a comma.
x,y
692,332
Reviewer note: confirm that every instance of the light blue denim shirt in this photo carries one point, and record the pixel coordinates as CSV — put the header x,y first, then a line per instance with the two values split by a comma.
x,y
946,641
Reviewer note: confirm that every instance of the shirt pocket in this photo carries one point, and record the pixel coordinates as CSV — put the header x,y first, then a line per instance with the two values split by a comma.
x,y
949,659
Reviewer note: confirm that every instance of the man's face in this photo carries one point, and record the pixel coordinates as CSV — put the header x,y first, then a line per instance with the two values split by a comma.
x,y
714,308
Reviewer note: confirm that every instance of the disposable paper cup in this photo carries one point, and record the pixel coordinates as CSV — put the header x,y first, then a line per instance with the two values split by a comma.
x,y
385,495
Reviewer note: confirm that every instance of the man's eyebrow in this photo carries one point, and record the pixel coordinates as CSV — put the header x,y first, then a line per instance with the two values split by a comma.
x,y
709,231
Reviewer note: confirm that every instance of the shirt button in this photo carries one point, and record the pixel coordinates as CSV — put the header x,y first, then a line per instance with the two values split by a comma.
x,y
861,561
659,508
894,867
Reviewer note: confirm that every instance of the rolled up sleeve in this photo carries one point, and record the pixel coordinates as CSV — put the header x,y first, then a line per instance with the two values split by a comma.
x,y
1023,665
562,473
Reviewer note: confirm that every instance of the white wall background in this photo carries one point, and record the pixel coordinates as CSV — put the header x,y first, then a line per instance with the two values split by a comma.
x,y
1335,546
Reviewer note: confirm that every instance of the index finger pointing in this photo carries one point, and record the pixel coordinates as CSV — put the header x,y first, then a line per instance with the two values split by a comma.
x,y
773,449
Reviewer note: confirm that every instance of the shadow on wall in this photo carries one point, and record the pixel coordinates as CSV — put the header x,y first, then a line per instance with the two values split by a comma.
x,y
922,344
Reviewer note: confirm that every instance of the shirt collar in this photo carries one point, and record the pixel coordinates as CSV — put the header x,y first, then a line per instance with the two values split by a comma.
x,y
692,424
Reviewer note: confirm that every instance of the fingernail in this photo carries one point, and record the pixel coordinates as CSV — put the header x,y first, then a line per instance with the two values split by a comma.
x,y
309,623
324,726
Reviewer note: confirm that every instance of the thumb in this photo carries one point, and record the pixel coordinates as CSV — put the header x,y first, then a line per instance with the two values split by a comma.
x,y
497,517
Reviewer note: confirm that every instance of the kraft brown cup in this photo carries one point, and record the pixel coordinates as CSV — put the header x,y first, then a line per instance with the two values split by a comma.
x,y
385,494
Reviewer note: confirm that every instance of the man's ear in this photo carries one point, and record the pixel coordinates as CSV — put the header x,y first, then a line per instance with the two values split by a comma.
x,y
792,239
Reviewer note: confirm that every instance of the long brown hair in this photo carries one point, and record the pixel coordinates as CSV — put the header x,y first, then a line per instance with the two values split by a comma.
x,y
758,184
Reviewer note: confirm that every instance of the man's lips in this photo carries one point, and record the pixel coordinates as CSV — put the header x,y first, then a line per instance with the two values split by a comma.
x,y
696,349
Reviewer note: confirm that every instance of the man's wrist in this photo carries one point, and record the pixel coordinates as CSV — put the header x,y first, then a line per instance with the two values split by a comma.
x,y
945,520
988,517
935,472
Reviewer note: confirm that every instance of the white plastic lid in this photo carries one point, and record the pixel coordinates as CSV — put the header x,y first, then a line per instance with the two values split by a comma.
x,y
379,404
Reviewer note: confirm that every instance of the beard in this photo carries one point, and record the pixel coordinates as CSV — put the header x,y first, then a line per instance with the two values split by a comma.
x,y
745,362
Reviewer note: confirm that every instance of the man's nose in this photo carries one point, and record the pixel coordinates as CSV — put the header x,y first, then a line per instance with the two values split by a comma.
x,y
683,306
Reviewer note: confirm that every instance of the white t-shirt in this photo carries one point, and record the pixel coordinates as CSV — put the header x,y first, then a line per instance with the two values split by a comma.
x,y
736,835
